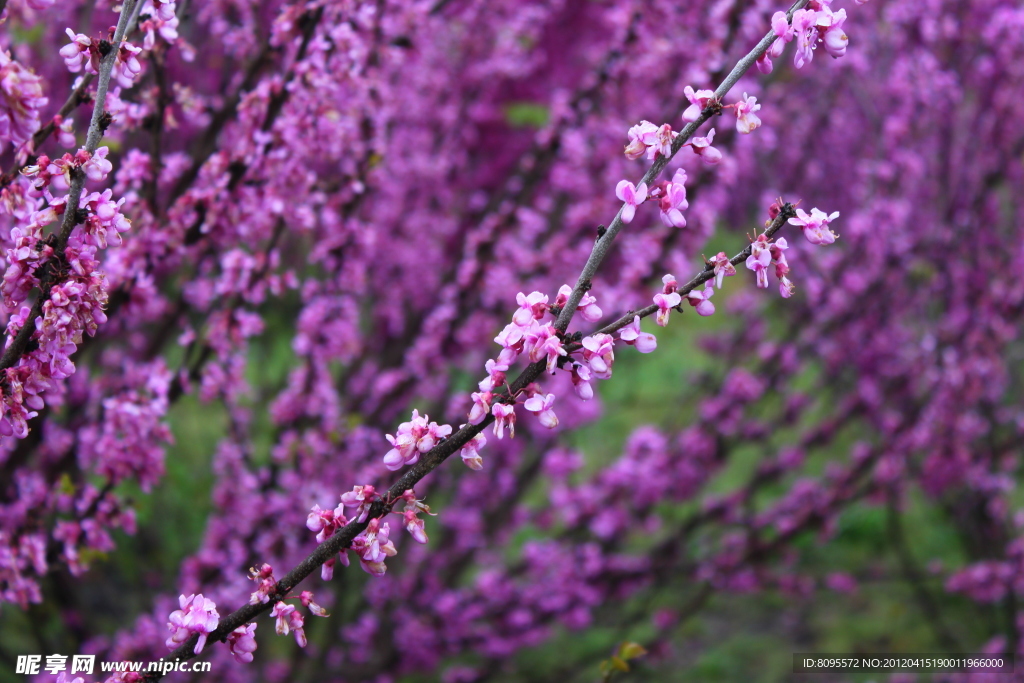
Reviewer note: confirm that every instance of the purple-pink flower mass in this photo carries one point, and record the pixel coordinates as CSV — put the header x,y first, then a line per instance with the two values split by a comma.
x,y
269,265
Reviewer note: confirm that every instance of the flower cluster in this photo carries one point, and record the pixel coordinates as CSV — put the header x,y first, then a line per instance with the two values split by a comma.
x,y
815,24
414,438
84,54
372,546
648,139
21,101
198,615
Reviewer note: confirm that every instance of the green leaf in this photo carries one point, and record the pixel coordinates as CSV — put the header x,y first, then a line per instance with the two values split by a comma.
x,y
630,650
526,114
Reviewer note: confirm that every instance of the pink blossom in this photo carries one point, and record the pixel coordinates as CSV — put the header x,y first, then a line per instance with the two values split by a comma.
x,y
543,342
598,352
410,516
197,615
641,137
289,619
662,142
481,407
306,598
815,225
470,453
540,405
759,262
80,53
701,300
511,337
325,522
632,196
373,546
764,62
645,342
665,303
496,369
672,201
806,32
782,29
242,643
504,416
746,119
127,65
587,307
413,438
64,131
361,498
532,307
702,148
97,167
723,268
834,38
581,377
699,100
265,581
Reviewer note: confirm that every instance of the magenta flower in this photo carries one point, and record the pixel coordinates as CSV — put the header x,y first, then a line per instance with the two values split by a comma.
x,y
531,307
702,148
543,343
242,643
698,101
632,196
361,498
470,453
581,377
806,32
786,287
834,38
645,342
701,300
306,598
662,142
197,615
540,405
414,437
325,522
373,546
289,619
481,407
759,262
782,29
588,308
665,303
266,584
746,119
672,201
97,167
641,137
815,225
723,268
80,53
127,65
599,353
504,416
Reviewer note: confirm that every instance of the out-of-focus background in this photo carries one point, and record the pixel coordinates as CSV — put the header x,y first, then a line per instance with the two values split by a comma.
x,y
347,198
